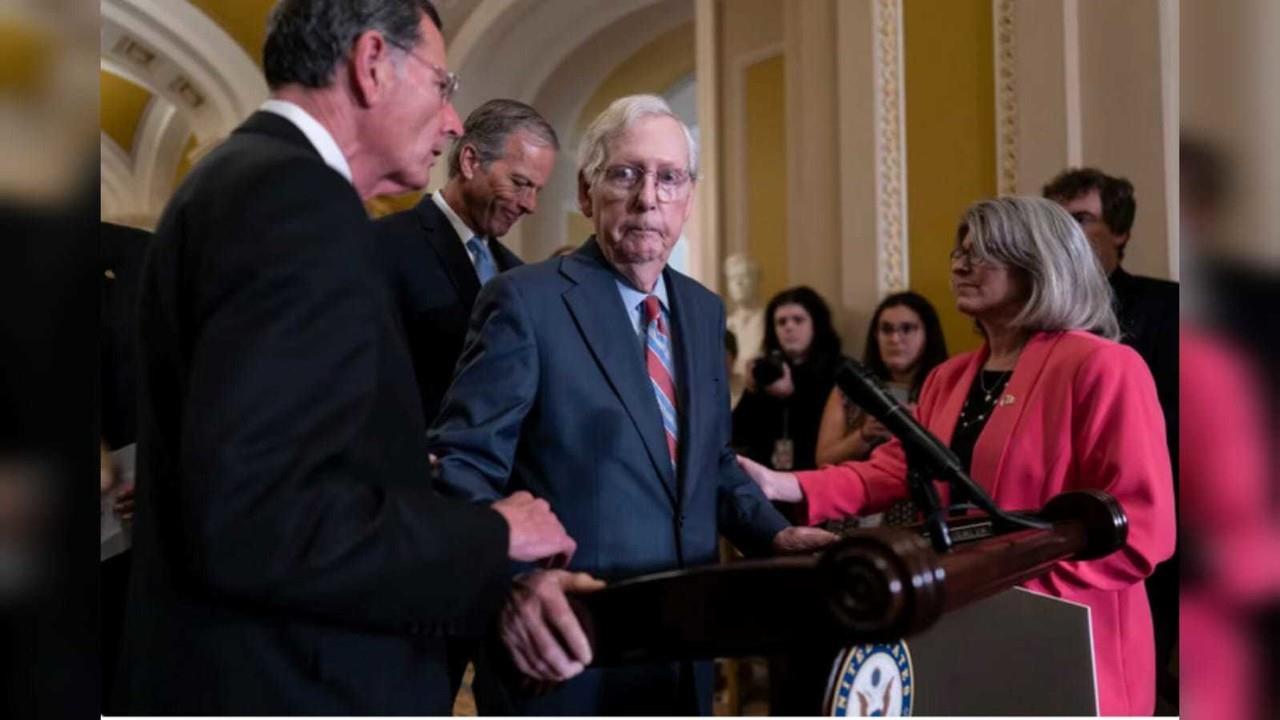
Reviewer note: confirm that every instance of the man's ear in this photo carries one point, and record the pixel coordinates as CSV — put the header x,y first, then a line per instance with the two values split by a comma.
x,y
370,71
688,206
1122,241
468,161
584,195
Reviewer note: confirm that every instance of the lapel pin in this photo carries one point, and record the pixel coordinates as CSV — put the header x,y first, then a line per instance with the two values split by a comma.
x,y
1007,400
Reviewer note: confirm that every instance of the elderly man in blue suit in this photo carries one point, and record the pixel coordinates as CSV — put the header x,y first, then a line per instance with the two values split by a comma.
x,y
597,381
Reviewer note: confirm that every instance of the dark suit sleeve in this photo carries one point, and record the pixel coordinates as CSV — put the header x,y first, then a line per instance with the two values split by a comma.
x,y
275,507
746,517
476,433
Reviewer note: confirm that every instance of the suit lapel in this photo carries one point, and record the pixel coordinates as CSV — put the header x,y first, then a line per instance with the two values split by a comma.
x,y
446,244
686,329
596,308
503,257
991,448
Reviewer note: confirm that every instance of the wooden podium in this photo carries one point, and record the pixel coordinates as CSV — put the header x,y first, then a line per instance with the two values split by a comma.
x,y
975,645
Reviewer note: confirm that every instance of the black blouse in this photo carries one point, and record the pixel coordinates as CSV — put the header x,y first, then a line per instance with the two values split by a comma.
x,y
983,396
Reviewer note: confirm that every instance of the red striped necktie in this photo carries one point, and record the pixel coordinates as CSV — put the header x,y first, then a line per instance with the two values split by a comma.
x,y
657,355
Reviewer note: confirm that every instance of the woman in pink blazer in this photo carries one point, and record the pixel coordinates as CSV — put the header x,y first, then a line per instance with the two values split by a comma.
x,y
1050,403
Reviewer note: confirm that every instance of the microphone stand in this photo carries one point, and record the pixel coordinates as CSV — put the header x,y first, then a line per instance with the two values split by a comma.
x,y
925,496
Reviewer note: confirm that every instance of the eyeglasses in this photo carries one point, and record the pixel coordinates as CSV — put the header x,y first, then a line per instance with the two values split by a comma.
x,y
971,259
448,82
906,328
672,183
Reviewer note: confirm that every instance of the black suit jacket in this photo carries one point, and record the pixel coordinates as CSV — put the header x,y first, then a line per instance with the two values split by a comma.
x,y
121,250
290,553
1147,309
434,286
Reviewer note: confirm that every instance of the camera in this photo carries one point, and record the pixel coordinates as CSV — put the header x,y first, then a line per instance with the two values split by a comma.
x,y
766,370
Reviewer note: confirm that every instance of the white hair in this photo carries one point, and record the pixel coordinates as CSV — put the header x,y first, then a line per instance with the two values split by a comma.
x,y
618,118
1069,290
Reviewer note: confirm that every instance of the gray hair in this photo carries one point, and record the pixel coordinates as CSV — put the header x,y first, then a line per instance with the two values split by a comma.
x,y
488,127
306,39
1068,288
617,119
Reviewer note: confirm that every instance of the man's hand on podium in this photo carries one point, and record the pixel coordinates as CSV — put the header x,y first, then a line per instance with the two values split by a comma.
x,y
539,628
535,531
800,540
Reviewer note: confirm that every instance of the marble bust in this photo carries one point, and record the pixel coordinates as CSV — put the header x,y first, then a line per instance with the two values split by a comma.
x,y
745,318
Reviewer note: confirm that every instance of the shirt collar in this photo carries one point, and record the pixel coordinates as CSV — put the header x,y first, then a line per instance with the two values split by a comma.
x,y
463,232
319,136
634,297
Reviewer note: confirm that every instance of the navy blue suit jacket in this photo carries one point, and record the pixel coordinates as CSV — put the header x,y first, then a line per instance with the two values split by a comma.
x,y
551,395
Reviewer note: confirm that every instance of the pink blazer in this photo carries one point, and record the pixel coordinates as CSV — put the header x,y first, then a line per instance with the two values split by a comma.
x,y
1083,413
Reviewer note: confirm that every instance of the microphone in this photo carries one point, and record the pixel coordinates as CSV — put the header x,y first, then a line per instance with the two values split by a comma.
x,y
865,389
923,447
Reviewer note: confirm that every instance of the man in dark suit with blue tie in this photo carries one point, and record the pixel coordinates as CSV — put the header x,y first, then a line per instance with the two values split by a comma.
x,y
438,254
597,381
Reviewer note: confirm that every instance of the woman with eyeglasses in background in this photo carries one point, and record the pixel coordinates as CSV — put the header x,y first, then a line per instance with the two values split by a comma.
x,y
904,343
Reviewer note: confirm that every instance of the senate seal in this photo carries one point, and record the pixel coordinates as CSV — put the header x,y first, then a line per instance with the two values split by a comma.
x,y
872,680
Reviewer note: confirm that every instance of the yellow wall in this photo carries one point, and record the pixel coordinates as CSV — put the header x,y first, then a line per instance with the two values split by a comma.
x,y
121,109
184,164
766,169
950,123
652,69
243,20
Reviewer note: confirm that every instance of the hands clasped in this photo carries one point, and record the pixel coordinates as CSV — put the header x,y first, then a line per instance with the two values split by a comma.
x,y
539,628
535,531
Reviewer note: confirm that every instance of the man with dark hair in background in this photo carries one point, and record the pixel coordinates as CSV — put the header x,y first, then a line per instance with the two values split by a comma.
x,y
1147,309
438,254
290,553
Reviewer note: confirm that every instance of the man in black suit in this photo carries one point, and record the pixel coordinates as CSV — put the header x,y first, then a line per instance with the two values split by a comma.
x,y
121,250
1147,309
290,553
598,381
438,254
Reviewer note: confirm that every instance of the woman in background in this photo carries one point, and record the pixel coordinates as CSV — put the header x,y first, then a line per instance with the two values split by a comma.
x,y
776,421
904,343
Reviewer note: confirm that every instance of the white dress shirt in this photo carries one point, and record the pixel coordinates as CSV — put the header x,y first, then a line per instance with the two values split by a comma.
x,y
460,228
317,134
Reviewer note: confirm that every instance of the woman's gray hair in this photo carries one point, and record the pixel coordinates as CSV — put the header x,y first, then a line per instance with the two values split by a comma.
x,y
621,114
1068,288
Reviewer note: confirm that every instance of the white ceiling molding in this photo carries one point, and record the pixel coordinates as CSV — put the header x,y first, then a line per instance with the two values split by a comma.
x,y
158,148
177,52
521,50
509,49
119,186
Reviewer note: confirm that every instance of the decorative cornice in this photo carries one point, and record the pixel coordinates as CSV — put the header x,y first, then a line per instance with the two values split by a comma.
x,y
891,154
1004,13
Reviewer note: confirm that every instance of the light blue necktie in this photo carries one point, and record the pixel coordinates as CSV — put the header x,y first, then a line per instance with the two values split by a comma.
x,y
485,267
